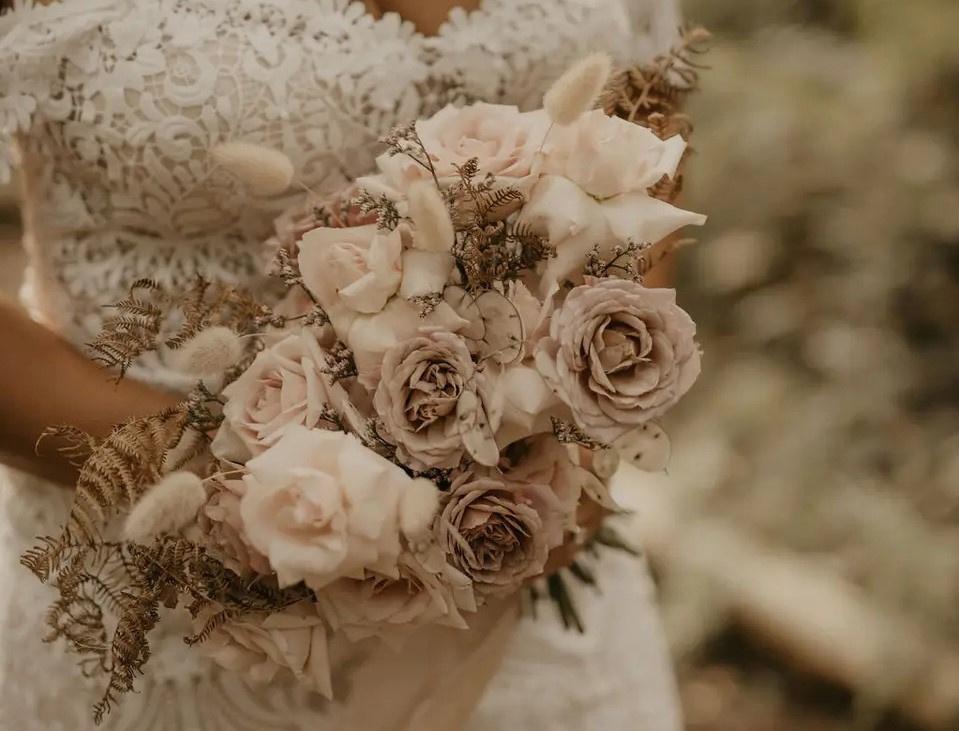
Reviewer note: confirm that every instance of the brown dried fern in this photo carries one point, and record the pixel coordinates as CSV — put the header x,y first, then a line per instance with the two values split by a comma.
x,y
653,95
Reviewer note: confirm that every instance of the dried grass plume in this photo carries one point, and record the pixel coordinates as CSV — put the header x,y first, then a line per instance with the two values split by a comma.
x,y
210,352
434,228
576,91
168,506
418,506
265,171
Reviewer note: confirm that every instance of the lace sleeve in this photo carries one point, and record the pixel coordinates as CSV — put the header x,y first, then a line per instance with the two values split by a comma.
x,y
32,39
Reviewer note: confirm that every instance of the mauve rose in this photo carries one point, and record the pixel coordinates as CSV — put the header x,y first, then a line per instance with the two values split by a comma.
x,y
499,532
320,506
283,386
618,354
221,523
427,591
504,140
436,404
358,268
262,645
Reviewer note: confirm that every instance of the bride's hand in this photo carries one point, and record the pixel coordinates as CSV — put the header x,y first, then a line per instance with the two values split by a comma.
x,y
47,382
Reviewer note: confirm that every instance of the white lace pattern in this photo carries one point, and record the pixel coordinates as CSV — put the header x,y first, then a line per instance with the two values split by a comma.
x,y
111,108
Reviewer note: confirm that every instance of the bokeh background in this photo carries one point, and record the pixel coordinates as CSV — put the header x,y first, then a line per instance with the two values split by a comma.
x,y
806,538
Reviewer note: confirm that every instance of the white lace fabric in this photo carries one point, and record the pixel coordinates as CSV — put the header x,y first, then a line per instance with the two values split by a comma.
x,y
111,107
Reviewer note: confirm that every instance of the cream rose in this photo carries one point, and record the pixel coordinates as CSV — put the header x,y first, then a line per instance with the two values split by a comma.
x,y
358,268
320,506
499,532
504,140
607,156
427,591
619,354
436,404
283,386
262,645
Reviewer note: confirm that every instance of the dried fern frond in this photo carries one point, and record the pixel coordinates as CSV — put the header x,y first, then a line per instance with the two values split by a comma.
x,y
151,316
78,444
653,95
119,469
659,87
134,330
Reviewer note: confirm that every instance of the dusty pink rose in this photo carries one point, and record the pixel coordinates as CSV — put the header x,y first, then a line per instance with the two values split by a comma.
x,y
283,386
607,156
359,268
619,354
503,139
223,527
427,591
499,532
261,646
435,403
320,506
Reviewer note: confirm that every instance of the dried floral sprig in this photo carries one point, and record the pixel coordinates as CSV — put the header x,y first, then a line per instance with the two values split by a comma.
x,y
654,94
340,363
404,140
387,215
568,433
426,303
625,261
489,249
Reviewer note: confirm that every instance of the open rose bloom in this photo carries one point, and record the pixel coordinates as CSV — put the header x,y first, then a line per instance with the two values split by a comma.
x,y
466,341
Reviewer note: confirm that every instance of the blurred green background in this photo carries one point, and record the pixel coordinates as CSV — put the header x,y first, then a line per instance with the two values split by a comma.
x,y
809,551
807,538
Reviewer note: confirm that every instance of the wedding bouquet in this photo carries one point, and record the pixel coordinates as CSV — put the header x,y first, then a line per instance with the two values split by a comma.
x,y
465,348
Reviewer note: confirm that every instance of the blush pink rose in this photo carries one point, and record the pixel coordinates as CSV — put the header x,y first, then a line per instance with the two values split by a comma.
x,y
619,354
320,506
504,140
283,386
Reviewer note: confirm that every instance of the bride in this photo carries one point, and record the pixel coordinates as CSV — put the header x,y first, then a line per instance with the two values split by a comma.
x,y
110,108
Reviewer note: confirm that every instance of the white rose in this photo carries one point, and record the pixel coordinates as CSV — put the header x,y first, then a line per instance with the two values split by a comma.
x,y
575,222
608,156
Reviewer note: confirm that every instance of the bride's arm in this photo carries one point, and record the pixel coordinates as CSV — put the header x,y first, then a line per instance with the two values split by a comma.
x,y
48,382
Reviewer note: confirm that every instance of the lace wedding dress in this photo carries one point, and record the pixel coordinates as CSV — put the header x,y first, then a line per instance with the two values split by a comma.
x,y
114,106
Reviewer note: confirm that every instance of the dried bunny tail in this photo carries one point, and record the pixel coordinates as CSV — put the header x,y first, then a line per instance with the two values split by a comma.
x,y
265,171
576,91
418,505
434,228
210,352
168,506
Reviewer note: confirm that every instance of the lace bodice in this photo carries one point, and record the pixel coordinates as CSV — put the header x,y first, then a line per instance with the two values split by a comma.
x,y
111,108
116,105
